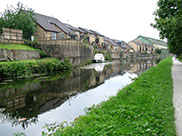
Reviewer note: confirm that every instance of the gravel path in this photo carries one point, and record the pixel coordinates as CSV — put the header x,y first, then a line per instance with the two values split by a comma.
x,y
177,96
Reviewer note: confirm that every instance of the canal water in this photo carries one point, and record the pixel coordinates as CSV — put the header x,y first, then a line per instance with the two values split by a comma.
x,y
27,105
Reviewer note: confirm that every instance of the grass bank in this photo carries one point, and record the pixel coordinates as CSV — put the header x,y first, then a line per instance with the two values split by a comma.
x,y
16,47
142,108
28,68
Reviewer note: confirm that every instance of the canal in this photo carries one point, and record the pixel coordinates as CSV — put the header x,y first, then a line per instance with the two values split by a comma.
x,y
27,105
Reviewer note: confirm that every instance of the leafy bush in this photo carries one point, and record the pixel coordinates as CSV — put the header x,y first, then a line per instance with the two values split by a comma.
x,y
25,68
43,54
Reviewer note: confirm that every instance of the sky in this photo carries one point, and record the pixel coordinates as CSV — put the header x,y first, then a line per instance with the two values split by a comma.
x,y
117,19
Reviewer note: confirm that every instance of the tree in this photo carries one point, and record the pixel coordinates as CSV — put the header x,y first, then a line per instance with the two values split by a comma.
x,y
19,18
168,20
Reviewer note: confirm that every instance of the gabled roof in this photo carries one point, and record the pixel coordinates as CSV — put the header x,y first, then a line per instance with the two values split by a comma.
x,y
47,22
96,33
148,40
71,27
86,31
122,44
141,43
106,39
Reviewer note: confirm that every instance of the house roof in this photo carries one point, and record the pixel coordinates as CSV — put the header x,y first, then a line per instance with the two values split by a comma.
x,y
72,27
122,44
86,31
106,39
96,33
47,22
148,40
141,43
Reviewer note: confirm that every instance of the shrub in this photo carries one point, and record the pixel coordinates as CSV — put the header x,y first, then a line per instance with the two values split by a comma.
x,y
26,68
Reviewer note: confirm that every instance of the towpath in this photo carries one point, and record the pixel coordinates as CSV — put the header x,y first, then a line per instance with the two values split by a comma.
x,y
177,96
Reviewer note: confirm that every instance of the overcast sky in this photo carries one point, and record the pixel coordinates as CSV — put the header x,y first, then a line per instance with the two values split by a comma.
x,y
117,19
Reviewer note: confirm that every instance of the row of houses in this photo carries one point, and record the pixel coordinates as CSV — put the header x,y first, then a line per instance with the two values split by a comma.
x,y
50,28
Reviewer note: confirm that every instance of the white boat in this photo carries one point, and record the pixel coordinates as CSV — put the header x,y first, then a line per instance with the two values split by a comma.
x,y
99,57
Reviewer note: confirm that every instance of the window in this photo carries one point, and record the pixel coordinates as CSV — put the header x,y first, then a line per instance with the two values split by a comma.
x,y
61,36
53,36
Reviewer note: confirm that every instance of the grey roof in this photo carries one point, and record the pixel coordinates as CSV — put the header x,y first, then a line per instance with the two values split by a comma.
x,y
96,33
72,27
110,41
86,31
47,22
122,44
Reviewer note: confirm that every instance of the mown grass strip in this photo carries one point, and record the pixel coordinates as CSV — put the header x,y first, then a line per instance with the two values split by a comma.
x,y
142,108
28,68
16,47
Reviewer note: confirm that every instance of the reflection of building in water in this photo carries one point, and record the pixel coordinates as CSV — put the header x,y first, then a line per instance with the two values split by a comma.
x,y
140,66
29,99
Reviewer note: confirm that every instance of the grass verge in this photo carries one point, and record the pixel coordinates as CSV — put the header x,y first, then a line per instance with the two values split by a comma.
x,y
28,68
142,108
16,47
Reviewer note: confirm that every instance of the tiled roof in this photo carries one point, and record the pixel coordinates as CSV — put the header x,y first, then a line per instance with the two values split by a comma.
x,y
110,41
47,22
148,40
86,31
122,44
72,27
96,33
139,42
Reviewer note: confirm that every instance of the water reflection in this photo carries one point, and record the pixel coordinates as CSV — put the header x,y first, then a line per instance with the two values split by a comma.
x,y
29,99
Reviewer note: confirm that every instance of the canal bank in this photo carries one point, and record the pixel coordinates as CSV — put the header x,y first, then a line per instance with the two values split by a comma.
x,y
46,100
144,107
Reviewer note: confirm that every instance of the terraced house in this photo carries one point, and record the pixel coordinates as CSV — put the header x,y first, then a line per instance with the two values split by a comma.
x,y
142,47
50,28
90,35
99,38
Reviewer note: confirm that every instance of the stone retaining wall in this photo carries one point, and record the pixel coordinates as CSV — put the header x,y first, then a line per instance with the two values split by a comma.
x,y
6,55
74,50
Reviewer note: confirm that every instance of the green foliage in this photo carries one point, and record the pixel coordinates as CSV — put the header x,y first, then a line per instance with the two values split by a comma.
x,y
158,51
19,18
168,18
16,47
48,66
108,56
142,108
43,54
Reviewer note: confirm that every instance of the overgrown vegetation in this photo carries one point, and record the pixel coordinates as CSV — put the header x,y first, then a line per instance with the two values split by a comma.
x,y
16,47
142,108
28,68
19,17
